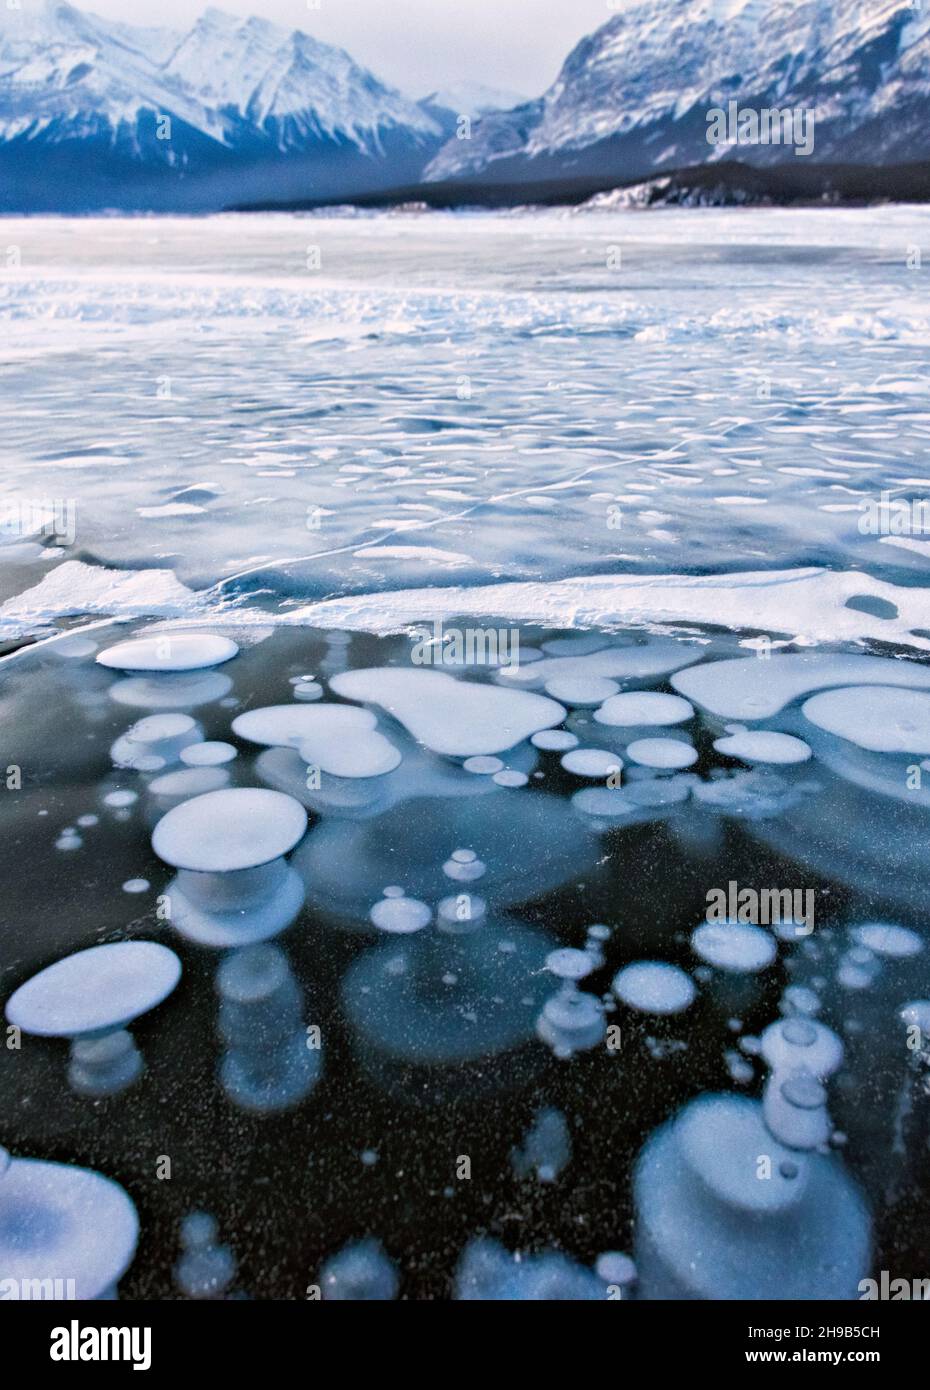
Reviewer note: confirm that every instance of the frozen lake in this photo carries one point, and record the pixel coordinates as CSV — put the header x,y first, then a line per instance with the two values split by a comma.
x,y
374,402
663,476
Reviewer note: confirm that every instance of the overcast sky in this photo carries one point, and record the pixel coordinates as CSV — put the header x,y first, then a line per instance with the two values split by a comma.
x,y
415,44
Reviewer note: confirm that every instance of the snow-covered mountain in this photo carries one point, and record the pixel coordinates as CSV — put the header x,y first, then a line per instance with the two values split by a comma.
x,y
97,113
633,97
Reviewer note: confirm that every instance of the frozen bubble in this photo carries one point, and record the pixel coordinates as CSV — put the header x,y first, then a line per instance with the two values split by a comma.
x,y
546,1147
599,932
882,719
464,856
207,754
339,739
916,1013
747,688
86,821
591,762
68,842
57,1216
799,999
181,690
308,690
662,752
360,1272
401,915
654,657
136,885
603,803
643,707
156,735
393,890
801,1043
581,692
654,987
464,870
554,740
886,939
795,1109
120,798
457,718
92,991
172,788
509,777
483,766
489,1272
735,947
237,828
567,963
179,651
615,1268
762,746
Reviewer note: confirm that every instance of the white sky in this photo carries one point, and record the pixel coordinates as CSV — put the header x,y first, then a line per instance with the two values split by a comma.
x,y
415,44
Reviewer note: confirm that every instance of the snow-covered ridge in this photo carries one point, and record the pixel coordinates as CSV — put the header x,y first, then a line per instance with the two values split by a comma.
x,y
807,605
633,96
66,74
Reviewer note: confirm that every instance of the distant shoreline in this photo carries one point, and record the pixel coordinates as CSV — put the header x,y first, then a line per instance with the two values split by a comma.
x,y
726,184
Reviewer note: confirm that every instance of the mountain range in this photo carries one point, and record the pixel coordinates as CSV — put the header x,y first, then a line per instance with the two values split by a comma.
x,y
98,114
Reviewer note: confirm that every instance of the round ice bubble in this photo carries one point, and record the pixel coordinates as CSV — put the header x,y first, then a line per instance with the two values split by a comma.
x,y
160,736
662,752
177,651
209,754
635,708
883,719
483,766
567,963
795,1110
887,939
510,777
237,828
58,1221
554,740
654,987
94,991
401,916
735,947
764,746
802,1044
591,762
581,692
360,1272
